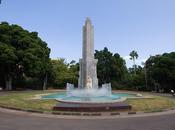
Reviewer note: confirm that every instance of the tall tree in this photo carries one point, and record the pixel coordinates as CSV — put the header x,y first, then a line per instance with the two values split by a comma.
x,y
104,65
24,52
110,67
8,65
161,71
133,56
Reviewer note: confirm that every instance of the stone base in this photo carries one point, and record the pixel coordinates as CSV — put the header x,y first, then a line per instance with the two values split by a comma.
x,y
92,107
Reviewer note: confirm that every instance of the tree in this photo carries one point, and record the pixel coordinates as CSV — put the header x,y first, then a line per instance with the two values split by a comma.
x,y
104,65
133,56
8,65
161,72
63,72
25,54
110,67
136,78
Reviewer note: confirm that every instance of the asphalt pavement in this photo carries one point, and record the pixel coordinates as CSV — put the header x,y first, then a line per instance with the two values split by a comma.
x,y
12,121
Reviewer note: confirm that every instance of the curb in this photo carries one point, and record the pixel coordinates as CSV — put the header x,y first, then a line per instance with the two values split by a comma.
x,y
88,114
19,109
132,112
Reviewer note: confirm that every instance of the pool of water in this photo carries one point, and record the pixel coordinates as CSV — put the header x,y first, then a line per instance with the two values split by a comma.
x,y
61,96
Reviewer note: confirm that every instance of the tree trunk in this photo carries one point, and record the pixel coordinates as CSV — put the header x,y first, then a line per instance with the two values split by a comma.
x,y
45,83
8,82
134,66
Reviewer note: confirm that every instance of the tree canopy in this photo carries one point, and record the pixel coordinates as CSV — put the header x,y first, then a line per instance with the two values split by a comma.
x,y
110,67
161,71
63,72
22,53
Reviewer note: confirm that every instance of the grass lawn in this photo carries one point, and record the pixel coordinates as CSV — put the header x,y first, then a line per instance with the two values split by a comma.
x,y
158,103
24,100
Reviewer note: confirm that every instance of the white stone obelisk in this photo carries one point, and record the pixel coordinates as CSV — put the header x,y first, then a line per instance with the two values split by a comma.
x,y
87,73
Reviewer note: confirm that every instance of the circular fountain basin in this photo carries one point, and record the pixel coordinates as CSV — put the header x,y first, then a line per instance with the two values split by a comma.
x,y
90,102
112,98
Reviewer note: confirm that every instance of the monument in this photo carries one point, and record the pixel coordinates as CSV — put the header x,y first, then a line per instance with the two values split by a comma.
x,y
87,73
88,96
88,82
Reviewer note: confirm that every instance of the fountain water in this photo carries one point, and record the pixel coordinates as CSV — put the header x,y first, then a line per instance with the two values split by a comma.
x,y
89,94
104,91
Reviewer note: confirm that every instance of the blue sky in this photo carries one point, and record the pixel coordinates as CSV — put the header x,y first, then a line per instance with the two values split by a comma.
x,y
147,26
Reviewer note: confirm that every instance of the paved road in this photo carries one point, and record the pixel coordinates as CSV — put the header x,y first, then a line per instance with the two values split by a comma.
x,y
11,121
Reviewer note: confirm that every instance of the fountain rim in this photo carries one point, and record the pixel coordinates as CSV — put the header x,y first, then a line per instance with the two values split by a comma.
x,y
121,99
91,102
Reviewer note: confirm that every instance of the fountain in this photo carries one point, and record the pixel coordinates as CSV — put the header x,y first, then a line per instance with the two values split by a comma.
x,y
105,90
89,96
88,83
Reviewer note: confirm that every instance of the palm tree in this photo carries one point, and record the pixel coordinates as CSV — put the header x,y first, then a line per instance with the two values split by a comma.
x,y
133,56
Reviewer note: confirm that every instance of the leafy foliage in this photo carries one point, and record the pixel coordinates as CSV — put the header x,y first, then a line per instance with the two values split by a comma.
x,y
21,52
63,72
110,67
161,71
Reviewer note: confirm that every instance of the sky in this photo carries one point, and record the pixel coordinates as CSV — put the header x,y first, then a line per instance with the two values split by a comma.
x,y
147,26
